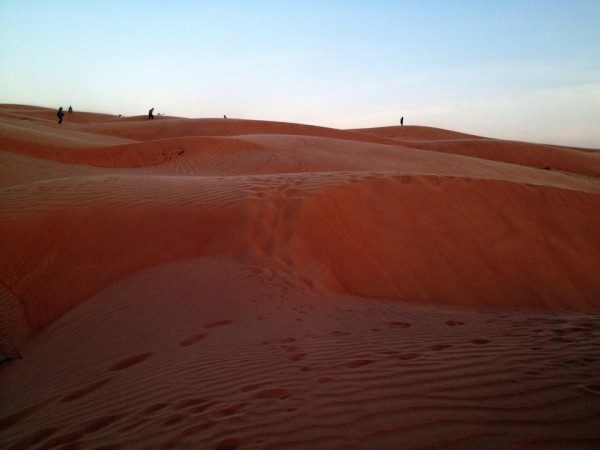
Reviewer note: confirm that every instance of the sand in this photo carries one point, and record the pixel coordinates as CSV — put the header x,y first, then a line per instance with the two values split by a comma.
x,y
223,283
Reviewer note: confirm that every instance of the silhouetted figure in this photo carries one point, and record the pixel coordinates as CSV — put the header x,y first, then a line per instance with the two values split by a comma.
x,y
70,109
151,114
60,115
401,121
224,116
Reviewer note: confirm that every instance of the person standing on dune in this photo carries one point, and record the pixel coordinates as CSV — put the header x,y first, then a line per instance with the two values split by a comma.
x,y
60,115
70,109
151,114
402,121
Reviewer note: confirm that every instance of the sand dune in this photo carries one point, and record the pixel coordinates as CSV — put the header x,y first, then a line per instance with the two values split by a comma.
x,y
144,130
412,132
547,157
211,283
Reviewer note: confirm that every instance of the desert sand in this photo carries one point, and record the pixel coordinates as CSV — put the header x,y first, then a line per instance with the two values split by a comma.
x,y
225,283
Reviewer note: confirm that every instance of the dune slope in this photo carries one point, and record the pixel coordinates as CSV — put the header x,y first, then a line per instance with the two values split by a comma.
x,y
541,156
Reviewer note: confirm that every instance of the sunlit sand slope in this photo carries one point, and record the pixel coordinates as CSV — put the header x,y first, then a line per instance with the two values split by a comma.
x,y
541,156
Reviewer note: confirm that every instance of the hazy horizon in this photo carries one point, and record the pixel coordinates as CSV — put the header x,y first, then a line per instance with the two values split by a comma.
x,y
515,70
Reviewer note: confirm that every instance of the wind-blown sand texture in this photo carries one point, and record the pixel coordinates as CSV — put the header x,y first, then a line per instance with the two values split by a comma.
x,y
222,283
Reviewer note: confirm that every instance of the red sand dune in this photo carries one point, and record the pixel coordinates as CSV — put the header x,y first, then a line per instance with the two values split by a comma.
x,y
547,157
416,133
214,283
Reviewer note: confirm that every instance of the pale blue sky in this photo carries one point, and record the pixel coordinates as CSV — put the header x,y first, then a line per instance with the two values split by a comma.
x,y
526,70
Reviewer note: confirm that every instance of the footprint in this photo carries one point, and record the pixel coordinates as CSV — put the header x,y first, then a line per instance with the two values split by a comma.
x,y
592,388
554,321
408,356
454,323
560,339
309,283
272,393
203,407
326,379
220,323
252,387
190,431
109,447
63,439
297,356
102,422
228,444
13,419
389,352
191,340
133,426
358,363
231,410
398,324
174,420
125,363
85,391
480,341
437,347
579,361
189,402
154,408
35,438
585,324
341,333
288,340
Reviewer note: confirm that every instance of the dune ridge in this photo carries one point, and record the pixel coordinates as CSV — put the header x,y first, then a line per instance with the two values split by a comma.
x,y
226,283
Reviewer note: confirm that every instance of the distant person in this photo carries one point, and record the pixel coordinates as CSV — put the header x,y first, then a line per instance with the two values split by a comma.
x,y
151,114
70,109
224,116
401,121
60,115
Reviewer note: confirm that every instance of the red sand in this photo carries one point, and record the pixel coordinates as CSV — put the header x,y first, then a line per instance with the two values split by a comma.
x,y
213,283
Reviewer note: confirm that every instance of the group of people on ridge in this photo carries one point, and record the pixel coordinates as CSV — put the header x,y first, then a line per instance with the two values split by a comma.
x,y
60,114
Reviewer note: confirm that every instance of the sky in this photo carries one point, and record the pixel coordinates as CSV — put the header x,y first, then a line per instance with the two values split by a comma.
x,y
522,69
